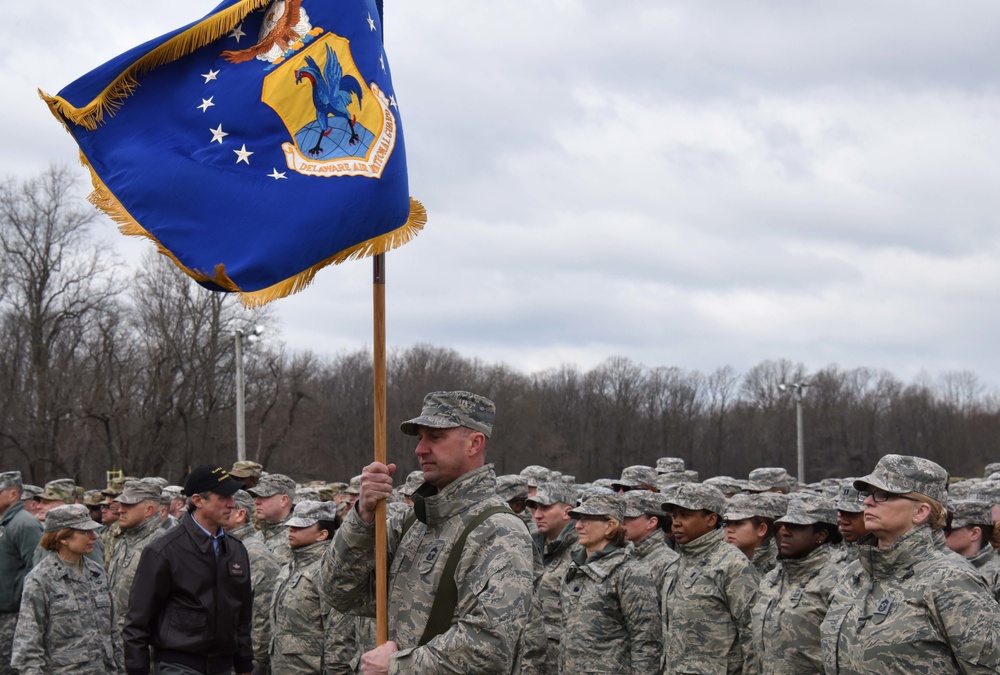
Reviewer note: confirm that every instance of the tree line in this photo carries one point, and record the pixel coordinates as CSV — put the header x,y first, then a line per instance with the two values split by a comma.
x,y
104,368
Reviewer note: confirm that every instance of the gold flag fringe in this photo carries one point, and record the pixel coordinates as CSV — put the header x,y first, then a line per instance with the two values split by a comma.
x,y
103,199
111,99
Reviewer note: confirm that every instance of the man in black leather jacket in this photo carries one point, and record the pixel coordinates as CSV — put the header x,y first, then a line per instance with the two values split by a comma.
x,y
191,598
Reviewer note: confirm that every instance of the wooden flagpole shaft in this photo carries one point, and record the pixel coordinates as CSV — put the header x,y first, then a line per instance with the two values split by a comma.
x,y
381,554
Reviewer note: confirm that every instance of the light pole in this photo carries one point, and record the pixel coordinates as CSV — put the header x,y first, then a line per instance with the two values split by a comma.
x,y
798,390
241,430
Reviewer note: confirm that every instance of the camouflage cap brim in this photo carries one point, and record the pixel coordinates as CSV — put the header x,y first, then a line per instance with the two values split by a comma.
x,y
451,409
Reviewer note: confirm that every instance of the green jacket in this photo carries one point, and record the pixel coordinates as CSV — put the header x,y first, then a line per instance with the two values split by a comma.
x,y
20,533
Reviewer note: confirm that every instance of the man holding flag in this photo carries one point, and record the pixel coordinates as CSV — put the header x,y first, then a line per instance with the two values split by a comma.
x,y
460,562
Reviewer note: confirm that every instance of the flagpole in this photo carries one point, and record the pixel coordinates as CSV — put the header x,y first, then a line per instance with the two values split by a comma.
x,y
381,543
381,555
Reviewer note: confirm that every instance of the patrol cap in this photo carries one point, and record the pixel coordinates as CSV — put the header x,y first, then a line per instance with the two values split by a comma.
x,y
696,497
991,468
554,492
139,491
115,485
669,465
636,476
173,492
510,488
726,484
691,475
62,490
665,480
536,474
987,491
450,409
604,483
354,487
900,474
309,512
749,504
208,478
331,490
807,509
768,478
568,478
962,489
416,478
29,491
307,493
246,469
158,481
607,505
739,507
643,502
587,491
244,501
273,484
74,516
969,512
93,498
10,479
848,500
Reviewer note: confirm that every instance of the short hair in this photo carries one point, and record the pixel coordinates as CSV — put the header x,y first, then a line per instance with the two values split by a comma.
x,y
833,535
331,526
190,502
50,540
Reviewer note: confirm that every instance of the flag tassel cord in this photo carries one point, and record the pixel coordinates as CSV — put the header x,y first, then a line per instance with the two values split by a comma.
x,y
103,199
113,96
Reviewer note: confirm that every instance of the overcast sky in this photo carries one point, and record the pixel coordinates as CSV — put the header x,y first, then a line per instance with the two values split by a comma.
x,y
692,184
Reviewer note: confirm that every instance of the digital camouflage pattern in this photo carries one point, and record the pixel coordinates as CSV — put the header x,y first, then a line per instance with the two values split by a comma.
x,y
493,577
449,409
901,474
274,484
556,559
765,556
706,606
655,557
125,561
910,609
788,614
610,622
264,569
636,476
67,623
275,537
987,563
308,636
770,478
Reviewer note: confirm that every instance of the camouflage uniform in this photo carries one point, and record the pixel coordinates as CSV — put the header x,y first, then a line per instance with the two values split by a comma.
x,y
493,578
610,620
66,624
973,513
910,609
308,635
707,600
652,553
275,535
264,569
19,535
765,558
125,561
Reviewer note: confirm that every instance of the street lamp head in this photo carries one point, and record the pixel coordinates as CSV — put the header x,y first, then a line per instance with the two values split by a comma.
x,y
258,330
782,387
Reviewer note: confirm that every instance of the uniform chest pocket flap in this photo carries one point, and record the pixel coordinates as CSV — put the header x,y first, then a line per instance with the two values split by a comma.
x,y
429,557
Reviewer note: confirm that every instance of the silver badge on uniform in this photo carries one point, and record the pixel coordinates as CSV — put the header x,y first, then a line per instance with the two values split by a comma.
x,y
881,610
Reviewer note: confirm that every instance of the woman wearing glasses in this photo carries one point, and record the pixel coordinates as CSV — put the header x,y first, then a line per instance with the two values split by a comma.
x,y
907,606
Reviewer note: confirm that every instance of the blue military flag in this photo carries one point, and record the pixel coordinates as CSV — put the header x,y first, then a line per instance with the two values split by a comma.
x,y
254,146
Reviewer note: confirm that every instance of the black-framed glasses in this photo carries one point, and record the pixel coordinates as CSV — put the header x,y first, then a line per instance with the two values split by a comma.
x,y
879,496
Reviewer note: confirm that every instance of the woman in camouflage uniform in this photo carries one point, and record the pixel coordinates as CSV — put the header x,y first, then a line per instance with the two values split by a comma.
x,y
795,595
905,606
610,620
67,620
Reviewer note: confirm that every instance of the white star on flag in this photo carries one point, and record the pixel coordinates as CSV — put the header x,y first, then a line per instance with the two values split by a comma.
x,y
381,60
206,103
243,155
392,102
371,21
210,75
237,33
218,134
275,174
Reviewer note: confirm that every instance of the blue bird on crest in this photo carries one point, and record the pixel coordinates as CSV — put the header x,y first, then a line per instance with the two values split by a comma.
x,y
332,92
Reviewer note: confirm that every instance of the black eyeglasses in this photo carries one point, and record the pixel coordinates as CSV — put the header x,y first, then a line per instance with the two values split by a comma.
x,y
879,496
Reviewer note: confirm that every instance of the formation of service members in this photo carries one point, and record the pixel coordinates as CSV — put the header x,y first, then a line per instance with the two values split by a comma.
x,y
533,573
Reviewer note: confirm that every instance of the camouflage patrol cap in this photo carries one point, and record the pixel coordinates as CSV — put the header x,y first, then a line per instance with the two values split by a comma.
x,y
158,481
73,516
604,483
29,491
807,509
310,512
691,475
695,497
450,409
987,491
93,498
749,504
416,478
739,507
726,484
246,469
636,476
669,465
900,474
553,492
244,501
274,484
768,478
61,490
991,468
567,478
643,502
962,489
536,475
139,491
116,485
608,505
354,487
328,491
848,500
511,487
307,493
665,480
173,492
10,479
969,512
587,491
